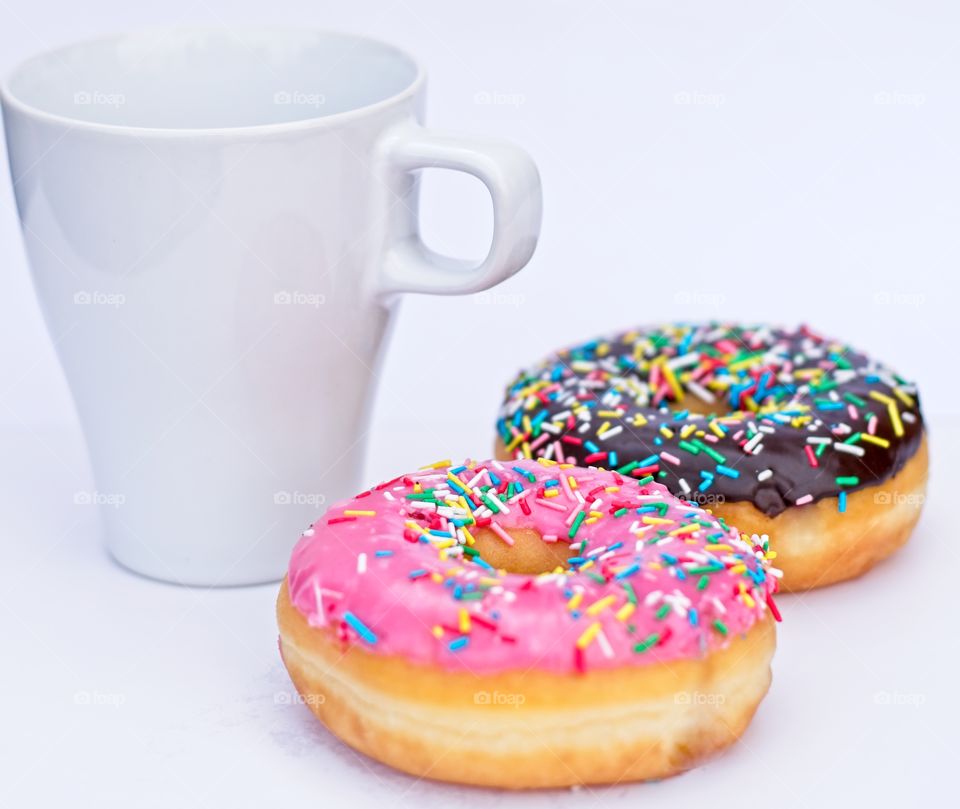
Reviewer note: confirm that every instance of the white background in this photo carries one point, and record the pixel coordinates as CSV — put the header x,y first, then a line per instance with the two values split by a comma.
x,y
770,161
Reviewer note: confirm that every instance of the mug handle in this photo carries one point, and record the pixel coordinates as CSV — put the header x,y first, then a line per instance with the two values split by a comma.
x,y
513,181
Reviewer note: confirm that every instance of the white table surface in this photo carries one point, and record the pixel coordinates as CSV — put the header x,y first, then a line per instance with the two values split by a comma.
x,y
778,161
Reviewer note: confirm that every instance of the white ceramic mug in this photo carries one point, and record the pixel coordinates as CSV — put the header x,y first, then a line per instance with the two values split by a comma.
x,y
218,225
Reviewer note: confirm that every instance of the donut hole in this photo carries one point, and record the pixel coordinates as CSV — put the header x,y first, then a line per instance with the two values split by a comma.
x,y
529,554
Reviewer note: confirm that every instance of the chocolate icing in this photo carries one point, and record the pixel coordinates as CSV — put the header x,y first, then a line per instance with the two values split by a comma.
x,y
789,386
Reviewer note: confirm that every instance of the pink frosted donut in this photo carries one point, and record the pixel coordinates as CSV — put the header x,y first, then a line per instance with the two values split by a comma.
x,y
528,600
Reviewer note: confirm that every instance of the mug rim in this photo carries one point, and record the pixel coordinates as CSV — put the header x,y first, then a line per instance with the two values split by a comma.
x,y
10,100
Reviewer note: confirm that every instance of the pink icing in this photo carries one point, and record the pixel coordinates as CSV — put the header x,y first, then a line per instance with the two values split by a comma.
x,y
371,570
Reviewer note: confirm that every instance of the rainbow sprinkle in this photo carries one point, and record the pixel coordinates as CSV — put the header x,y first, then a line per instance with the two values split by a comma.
x,y
648,577
719,412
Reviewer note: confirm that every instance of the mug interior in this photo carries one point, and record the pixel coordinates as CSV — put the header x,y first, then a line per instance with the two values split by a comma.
x,y
211,78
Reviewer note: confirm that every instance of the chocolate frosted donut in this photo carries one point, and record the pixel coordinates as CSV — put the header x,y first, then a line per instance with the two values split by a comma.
x,y
781,432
